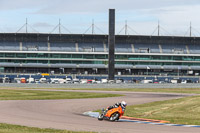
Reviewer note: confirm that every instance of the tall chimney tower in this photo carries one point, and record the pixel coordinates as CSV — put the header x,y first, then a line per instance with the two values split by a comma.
x,y
111,44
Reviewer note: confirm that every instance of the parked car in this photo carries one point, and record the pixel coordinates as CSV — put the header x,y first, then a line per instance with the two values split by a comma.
x,y
62,81
104,81
146,81
54,80
31,80
43,80
69,80
76,81
83,81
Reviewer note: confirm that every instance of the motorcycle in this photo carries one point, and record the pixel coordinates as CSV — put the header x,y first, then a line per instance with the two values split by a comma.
x,y
113,114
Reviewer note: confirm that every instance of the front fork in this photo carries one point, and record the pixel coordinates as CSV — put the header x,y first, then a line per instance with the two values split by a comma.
x,y
104,111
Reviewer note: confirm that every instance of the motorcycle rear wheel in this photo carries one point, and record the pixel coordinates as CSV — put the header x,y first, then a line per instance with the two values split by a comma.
x,y
114,117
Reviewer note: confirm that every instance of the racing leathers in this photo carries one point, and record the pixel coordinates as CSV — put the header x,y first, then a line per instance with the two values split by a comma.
x,y
116,105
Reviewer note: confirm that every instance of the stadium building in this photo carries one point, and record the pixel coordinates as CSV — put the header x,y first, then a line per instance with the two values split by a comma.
x,y
88,54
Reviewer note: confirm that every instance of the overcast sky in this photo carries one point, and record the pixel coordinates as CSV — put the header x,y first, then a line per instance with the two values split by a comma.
x,y
76,16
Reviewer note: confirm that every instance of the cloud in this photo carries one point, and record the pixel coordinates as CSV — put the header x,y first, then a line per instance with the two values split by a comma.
x,y
42,25
21,4
96,6
89,6
142,15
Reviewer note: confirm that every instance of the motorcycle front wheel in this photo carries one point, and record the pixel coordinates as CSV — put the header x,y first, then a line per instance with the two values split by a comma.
x,y
100,117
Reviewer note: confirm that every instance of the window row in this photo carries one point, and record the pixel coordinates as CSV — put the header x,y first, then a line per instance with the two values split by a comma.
x,y
103,56
98,62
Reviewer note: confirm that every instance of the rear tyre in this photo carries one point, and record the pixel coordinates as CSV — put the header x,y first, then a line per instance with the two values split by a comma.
x,y
114,117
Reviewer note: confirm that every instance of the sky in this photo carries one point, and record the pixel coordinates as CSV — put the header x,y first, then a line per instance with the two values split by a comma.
x,y
76,16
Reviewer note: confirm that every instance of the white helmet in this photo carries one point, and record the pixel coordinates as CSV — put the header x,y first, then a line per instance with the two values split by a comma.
x,y
123,104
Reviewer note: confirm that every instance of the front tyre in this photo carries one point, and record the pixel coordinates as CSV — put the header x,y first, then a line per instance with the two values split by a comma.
x,y
114,117
100,117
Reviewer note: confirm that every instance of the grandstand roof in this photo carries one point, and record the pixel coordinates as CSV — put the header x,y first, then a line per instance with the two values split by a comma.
x,y
30,37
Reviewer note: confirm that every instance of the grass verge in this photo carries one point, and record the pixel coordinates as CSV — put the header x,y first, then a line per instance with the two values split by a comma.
x,y
164,90
6,94
178,111
7,128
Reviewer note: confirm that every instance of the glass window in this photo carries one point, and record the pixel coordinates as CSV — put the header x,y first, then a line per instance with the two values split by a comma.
x,y
121,62
42,55
65,62
97,62
55,56
65,55
31,61
21,55
121,57
166,57
77,56
77,62
100,57
54,61
196,58
156,57
19,61
105,62
177,57
32,55
43,61
2,54
88,56
10,55
132,56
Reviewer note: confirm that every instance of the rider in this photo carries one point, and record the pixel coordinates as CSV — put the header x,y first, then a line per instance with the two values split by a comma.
x,y
123,104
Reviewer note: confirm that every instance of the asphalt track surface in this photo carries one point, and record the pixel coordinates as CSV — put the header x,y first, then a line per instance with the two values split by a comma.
x,y
68,114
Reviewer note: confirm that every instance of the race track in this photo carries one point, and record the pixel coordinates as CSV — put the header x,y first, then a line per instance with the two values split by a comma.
x,y
68,114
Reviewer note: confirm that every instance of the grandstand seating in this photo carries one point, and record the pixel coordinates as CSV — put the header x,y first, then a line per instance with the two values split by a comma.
x,y
9,46
194,49
195,67
34,46
66,47
91,65
149,66
99,47
118,66
9,64
63,65
34,64
90,47
176,67
183,67
174,49
146,48
123,48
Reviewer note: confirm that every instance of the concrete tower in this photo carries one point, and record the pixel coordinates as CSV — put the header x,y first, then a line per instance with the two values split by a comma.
x,y
111,44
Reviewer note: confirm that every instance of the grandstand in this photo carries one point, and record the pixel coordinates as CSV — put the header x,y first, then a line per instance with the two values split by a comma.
x,y
88,54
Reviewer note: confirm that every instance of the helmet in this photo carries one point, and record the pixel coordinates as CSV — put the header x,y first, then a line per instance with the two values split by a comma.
x,y
123,104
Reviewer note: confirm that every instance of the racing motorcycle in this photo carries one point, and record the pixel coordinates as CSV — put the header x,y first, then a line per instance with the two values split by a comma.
x,y
113,114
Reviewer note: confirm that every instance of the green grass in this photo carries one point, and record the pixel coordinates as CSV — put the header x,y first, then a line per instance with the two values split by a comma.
x,y
167,90
7,94
7,128
179,111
